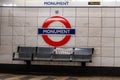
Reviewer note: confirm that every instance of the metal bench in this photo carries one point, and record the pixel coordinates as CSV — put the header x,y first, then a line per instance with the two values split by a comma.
x,y
29,54
44,54
25,54
82,55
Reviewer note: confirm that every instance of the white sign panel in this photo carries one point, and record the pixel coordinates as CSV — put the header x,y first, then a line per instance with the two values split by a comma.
x,y
72,2
61,3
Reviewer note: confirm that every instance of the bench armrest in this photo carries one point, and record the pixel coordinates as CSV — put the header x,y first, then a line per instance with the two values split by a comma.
x,y
13,57
52,54
92,50
32,56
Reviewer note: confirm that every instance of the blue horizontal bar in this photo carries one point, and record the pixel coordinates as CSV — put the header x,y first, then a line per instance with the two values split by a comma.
x,y
56,31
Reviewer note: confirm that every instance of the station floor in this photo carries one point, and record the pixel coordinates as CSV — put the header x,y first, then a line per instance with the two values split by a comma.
x,y
44,77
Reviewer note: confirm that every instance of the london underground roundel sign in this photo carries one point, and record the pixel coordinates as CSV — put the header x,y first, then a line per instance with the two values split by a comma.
x,y
45,31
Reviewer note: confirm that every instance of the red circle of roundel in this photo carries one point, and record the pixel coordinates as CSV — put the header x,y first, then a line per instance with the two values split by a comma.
x,y
48,22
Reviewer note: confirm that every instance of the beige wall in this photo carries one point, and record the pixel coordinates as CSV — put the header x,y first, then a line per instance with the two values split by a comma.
x,y
95,27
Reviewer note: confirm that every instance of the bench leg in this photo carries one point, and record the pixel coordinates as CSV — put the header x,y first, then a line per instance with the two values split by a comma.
x,y
28,62
83,64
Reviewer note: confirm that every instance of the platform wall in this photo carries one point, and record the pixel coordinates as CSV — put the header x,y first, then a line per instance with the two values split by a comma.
x,y
96,27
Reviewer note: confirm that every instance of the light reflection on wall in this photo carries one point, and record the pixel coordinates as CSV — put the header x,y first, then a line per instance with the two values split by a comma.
x,y
9,5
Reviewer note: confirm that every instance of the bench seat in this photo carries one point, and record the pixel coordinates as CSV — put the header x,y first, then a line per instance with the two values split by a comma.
x,y
68,54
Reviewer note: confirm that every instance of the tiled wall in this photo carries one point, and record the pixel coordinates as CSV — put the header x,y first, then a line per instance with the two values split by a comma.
x,y
95,27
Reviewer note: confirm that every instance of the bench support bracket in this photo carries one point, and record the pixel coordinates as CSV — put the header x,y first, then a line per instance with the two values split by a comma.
x,y
28,62
83,64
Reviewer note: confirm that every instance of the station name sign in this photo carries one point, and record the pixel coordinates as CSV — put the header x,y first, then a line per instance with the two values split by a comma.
x,y
56,3
69,2
56,31
68,31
